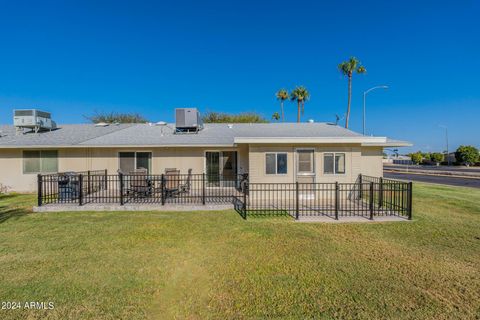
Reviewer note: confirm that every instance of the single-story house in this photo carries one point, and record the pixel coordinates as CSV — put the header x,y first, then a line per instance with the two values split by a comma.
x,y
268,152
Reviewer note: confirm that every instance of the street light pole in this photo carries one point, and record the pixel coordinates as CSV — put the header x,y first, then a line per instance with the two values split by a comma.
x,y
364,102
446,140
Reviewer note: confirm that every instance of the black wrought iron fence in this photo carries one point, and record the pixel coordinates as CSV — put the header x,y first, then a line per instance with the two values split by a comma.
x,y
101,187
367,197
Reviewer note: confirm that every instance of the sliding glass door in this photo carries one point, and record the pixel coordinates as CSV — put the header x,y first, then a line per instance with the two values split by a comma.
x,y
221,167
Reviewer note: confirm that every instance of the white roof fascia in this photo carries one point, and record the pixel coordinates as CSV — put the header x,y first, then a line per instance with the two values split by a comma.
x,y
283,140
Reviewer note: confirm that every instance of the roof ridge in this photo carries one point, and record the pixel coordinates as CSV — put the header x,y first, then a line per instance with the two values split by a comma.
x,y
128,125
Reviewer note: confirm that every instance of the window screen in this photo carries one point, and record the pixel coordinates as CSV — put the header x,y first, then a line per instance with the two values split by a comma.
x,y
328,163
40,161
270,161
31,161
305,161
127,161
340,163
49,161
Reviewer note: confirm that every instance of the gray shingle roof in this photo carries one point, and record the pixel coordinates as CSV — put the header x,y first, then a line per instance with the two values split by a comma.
x,y
151,135
65,135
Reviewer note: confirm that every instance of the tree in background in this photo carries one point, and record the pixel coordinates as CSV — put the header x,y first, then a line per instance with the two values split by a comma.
x,y
244,117
300,94
436,157
417,157
275,116
282,95
117,117
347,68
467,155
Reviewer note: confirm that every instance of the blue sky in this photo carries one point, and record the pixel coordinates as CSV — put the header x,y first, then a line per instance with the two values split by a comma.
x,y
74,57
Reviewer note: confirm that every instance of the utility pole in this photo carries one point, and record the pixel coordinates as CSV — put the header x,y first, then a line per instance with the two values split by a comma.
x,y
446,140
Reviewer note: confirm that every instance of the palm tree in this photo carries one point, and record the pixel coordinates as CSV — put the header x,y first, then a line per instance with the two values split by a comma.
x,y
347,68
300,94
282,95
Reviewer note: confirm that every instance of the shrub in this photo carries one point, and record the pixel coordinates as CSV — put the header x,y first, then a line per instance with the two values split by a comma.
x,y
467,155
114,117
436,157
4,189
244,117
417,157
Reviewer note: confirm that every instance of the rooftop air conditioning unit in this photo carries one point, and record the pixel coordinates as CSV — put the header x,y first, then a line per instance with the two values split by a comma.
x,y
187,120
33,119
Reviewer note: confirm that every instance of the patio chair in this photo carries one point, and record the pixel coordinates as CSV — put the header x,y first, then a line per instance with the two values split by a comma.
x,y
139,183
185,188
173,183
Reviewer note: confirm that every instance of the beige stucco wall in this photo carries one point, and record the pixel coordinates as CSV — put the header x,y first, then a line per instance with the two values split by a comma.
x,y
81,159
372,164
251,159
365,160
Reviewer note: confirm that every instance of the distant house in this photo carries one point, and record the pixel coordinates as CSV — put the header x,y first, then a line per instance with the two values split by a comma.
x,y
268,152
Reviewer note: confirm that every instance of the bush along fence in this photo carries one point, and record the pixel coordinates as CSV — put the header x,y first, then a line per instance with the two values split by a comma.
x,y
98,186
367,197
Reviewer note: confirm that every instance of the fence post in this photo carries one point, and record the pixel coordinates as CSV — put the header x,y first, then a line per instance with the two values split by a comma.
x,y
410,188
162,188
120,178
296,201
371,200
380,193
360,181
245,203
106,179
39,190
337,191
203,188
80,189
89,189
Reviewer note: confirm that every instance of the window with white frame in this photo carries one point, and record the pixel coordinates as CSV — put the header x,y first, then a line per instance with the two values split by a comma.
x,y
276,163
334,163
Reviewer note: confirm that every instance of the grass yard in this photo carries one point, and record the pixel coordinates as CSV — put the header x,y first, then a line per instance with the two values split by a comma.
x,y
137,265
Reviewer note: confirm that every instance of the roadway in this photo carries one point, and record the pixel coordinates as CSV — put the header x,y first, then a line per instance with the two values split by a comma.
x,y
452,169
447,180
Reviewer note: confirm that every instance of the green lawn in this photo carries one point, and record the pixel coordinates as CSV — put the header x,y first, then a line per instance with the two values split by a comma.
x,y
136,265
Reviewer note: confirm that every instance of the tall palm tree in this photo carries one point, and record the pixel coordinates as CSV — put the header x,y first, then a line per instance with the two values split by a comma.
x,y
282,95
300,94
347,68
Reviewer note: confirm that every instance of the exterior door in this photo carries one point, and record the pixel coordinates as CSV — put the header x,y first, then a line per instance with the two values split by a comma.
x,y
220,167
306,172
229,168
